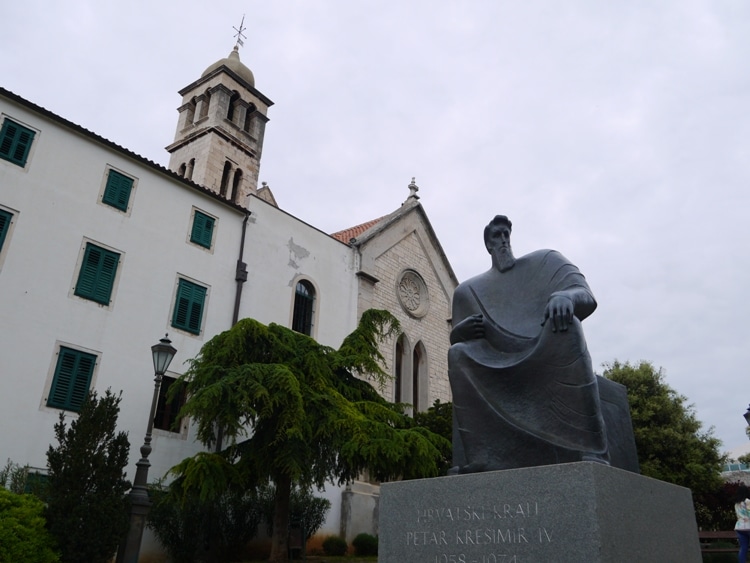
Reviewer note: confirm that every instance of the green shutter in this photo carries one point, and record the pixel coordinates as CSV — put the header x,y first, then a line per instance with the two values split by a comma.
x,y
203,229
5,219
97,275
15,142
188,308
117,191
72,379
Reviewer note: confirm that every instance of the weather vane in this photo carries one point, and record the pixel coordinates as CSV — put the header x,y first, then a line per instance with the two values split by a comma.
x,y
239,35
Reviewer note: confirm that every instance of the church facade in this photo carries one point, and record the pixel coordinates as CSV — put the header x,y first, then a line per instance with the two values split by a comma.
x,y
102,252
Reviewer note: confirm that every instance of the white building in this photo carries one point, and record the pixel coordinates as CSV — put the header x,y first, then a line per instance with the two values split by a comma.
x,y
102,252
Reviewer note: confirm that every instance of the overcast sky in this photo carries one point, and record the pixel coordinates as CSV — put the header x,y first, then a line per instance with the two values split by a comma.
x,y
615,132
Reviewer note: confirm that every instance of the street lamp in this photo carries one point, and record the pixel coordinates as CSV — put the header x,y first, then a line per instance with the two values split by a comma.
x,y
163,352
747,416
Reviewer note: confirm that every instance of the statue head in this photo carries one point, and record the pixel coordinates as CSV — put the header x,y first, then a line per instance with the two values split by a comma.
x,y
497,242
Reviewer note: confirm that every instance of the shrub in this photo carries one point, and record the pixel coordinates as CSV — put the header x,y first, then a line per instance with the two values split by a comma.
x,y
190,528
87,510
304,508
721,557
365,544
334,545
23,536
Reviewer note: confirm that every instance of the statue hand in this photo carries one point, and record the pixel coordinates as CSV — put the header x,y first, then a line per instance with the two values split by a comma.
x,y
471,328
560,309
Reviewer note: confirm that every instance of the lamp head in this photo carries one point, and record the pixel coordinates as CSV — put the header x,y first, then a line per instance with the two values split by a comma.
x,y
163,352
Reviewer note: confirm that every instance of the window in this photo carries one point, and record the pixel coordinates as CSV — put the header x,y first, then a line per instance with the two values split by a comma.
x,y
236,185
166,411
303,308
188,307
97,276
225,179
5,219
117,190
248,117
420,378
417,367
15,142
72,379
233,102
203,229
400,364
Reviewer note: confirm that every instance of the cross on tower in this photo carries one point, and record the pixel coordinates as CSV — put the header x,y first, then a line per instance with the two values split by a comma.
x,y
239,35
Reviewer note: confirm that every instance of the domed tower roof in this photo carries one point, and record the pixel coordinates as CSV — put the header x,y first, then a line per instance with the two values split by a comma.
x,y
232,62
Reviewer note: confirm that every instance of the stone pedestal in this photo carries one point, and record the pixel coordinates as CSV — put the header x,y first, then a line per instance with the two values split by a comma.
x,y
575,512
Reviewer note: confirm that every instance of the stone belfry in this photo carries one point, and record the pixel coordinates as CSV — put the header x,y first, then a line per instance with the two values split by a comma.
x,y
219,136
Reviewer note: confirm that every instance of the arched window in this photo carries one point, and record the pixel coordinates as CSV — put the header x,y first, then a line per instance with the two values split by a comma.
x,y
182,170
248,118
190,166
236,185
206,104
402,370
302,316
225,178
232,106
190,117
419,378
398,365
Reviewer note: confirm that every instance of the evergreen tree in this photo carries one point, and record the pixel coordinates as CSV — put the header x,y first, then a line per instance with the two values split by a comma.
x,y
295,412
439,419
671,444
87,510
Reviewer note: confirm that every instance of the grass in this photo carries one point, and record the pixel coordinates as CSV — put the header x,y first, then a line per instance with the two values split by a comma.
x,y
332,559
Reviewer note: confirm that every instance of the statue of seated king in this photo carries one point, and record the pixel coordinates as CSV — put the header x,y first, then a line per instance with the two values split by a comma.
x,y
524,391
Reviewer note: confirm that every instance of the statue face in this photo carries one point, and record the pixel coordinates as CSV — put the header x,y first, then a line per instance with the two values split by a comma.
x,y
498,245
498,238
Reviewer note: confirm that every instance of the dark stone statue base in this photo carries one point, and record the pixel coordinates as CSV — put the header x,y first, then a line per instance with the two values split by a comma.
x,y
572,512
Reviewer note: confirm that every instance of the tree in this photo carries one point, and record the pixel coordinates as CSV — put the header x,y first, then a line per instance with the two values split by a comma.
x,y
87,510
439,419
671,445
295,413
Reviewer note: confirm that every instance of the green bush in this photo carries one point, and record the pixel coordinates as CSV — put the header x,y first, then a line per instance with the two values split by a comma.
x,y
720,557
87,510
365,545
190,528
304,509
334,545
23,535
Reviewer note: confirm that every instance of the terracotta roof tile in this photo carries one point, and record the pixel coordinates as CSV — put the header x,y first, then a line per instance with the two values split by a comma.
x,y
353,232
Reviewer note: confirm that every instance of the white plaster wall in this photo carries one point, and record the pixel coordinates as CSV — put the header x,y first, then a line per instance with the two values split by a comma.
x,y
56,199
280,250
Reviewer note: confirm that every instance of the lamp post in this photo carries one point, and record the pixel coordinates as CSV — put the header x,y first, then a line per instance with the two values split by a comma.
x,y
163,352
747,416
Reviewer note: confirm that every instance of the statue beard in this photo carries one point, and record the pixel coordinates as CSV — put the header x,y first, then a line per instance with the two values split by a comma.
x,y
504,259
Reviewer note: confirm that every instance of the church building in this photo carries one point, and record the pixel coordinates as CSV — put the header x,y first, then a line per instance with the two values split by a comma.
x,y
103,252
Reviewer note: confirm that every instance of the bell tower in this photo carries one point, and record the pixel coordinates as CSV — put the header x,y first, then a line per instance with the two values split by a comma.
x,y
219,137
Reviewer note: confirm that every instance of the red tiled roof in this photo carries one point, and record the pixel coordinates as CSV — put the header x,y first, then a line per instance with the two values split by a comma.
x,y
353,232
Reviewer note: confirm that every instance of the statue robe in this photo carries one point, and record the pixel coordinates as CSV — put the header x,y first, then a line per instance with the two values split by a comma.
x,y
524,395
